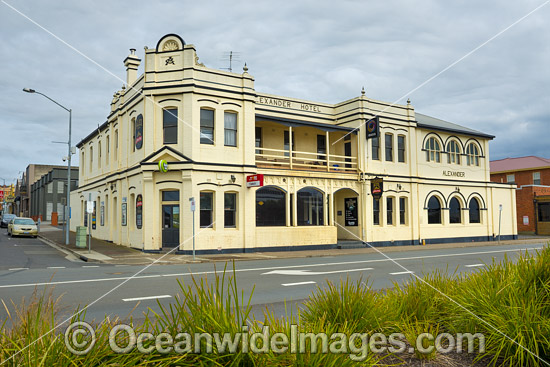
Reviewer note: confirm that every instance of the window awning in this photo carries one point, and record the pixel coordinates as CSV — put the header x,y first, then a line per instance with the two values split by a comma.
x,y
298,123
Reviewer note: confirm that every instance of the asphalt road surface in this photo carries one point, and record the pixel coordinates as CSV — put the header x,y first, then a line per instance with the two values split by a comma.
x,y
28,264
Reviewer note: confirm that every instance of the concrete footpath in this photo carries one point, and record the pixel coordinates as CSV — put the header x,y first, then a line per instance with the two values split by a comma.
x,y
110,253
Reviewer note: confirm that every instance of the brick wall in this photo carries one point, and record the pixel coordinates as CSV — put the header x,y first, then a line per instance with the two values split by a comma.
x,y
526,195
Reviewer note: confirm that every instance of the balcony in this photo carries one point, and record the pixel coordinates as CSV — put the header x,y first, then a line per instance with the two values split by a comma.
x,y
310,147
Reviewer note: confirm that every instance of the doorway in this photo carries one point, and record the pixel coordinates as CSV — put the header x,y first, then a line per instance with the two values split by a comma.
x,y
170,225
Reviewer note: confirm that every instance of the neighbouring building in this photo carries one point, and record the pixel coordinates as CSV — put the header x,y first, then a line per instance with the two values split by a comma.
x,y
49,194
265,172
7,198
531,175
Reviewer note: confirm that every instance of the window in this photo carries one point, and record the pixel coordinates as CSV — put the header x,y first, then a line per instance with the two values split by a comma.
x,y
475,216
536,178
170,125
455,215
543,212
401,148
270,207
230,210
403,211
82,160
286,146
139,211
207,209
453,150
433,150
259,140
133,134
511,178
116,144
375,148
230,129
388,146
389,211
99,155
376,212
321,147
207,126
91,158
309,205
173,195
108,146
434,211
472,155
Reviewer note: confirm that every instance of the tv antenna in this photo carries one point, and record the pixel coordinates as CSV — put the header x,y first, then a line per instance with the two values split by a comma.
x,y
231,55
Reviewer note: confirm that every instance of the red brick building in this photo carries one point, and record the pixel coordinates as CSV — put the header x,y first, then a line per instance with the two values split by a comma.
x,y
532,176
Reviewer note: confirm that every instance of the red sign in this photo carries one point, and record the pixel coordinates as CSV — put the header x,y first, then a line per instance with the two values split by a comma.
x,y
255,181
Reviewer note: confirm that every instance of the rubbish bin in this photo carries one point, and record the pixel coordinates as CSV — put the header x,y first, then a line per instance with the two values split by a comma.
x,y
81,237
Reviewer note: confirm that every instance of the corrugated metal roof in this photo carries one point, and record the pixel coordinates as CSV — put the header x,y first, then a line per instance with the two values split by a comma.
x,y
519,163
437,124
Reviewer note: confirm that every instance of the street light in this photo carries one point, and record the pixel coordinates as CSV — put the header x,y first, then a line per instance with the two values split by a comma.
x,y
68,218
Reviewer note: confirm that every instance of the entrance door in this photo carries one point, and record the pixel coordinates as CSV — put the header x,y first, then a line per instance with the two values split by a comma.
x,y
170,225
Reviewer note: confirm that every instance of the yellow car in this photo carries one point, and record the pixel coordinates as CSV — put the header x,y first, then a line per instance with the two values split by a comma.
x,y
22,227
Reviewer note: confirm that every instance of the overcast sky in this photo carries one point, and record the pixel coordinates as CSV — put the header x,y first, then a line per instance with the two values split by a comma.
x,y
320,50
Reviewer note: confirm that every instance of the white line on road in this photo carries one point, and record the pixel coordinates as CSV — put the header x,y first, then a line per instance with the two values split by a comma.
x,y
474,265
145,298
90,266
15,269
307,272
56,267
264,268
299,283
402,272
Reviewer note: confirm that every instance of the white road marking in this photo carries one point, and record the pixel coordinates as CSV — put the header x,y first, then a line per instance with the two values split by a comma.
x,y
264,268
145,298
474,265
90,266
56,267
307,272
299,283
15,269
402,272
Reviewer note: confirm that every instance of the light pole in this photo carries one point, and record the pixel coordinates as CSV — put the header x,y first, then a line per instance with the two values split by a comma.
x,y
68,217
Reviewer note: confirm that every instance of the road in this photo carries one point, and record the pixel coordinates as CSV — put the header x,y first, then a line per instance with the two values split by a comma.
x,y
114,290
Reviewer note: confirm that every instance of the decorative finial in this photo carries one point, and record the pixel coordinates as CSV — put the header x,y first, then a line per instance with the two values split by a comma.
x,y
245,68
363,91
123,86
408,101
132,51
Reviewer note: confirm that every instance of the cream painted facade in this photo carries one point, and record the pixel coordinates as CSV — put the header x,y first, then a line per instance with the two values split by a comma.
x,y
313,156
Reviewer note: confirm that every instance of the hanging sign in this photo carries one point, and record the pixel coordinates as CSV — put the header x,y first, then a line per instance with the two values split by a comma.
x,y
255,180
139,131
163,166
373,128
351,212
377,188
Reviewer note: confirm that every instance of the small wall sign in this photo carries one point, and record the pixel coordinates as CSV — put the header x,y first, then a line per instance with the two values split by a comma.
x,y
255,180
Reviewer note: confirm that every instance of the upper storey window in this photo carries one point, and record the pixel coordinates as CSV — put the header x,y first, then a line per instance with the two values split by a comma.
x,y
230,129
472,155
207,126
453,152
433,150
170,125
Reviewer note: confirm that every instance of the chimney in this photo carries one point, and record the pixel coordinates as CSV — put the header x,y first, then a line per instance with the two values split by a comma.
x,y
132,63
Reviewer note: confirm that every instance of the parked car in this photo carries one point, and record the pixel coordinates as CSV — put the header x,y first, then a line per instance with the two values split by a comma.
x,y
22,227
6,218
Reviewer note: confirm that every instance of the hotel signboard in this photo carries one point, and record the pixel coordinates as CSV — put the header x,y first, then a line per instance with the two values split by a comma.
x,y
255,180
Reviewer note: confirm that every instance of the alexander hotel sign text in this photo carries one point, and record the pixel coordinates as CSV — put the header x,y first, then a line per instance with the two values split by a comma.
x,y
288,104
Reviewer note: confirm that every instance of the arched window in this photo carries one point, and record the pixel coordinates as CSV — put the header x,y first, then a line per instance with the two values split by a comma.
x,y
453,150
472,155
455,215
434,210
309,207
433,150
475,216
270,207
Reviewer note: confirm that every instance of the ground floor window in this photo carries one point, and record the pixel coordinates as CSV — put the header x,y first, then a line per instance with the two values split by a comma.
x,y
389,210
376,212
230,209
455,216
434,211
270,207
544,212
309,205
206,209
403,211
475,216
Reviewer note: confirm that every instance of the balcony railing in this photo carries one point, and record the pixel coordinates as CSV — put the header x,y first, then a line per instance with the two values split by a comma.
x,y
278,158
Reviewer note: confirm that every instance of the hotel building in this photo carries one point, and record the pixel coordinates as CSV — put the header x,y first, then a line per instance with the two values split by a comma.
x,y
267,172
